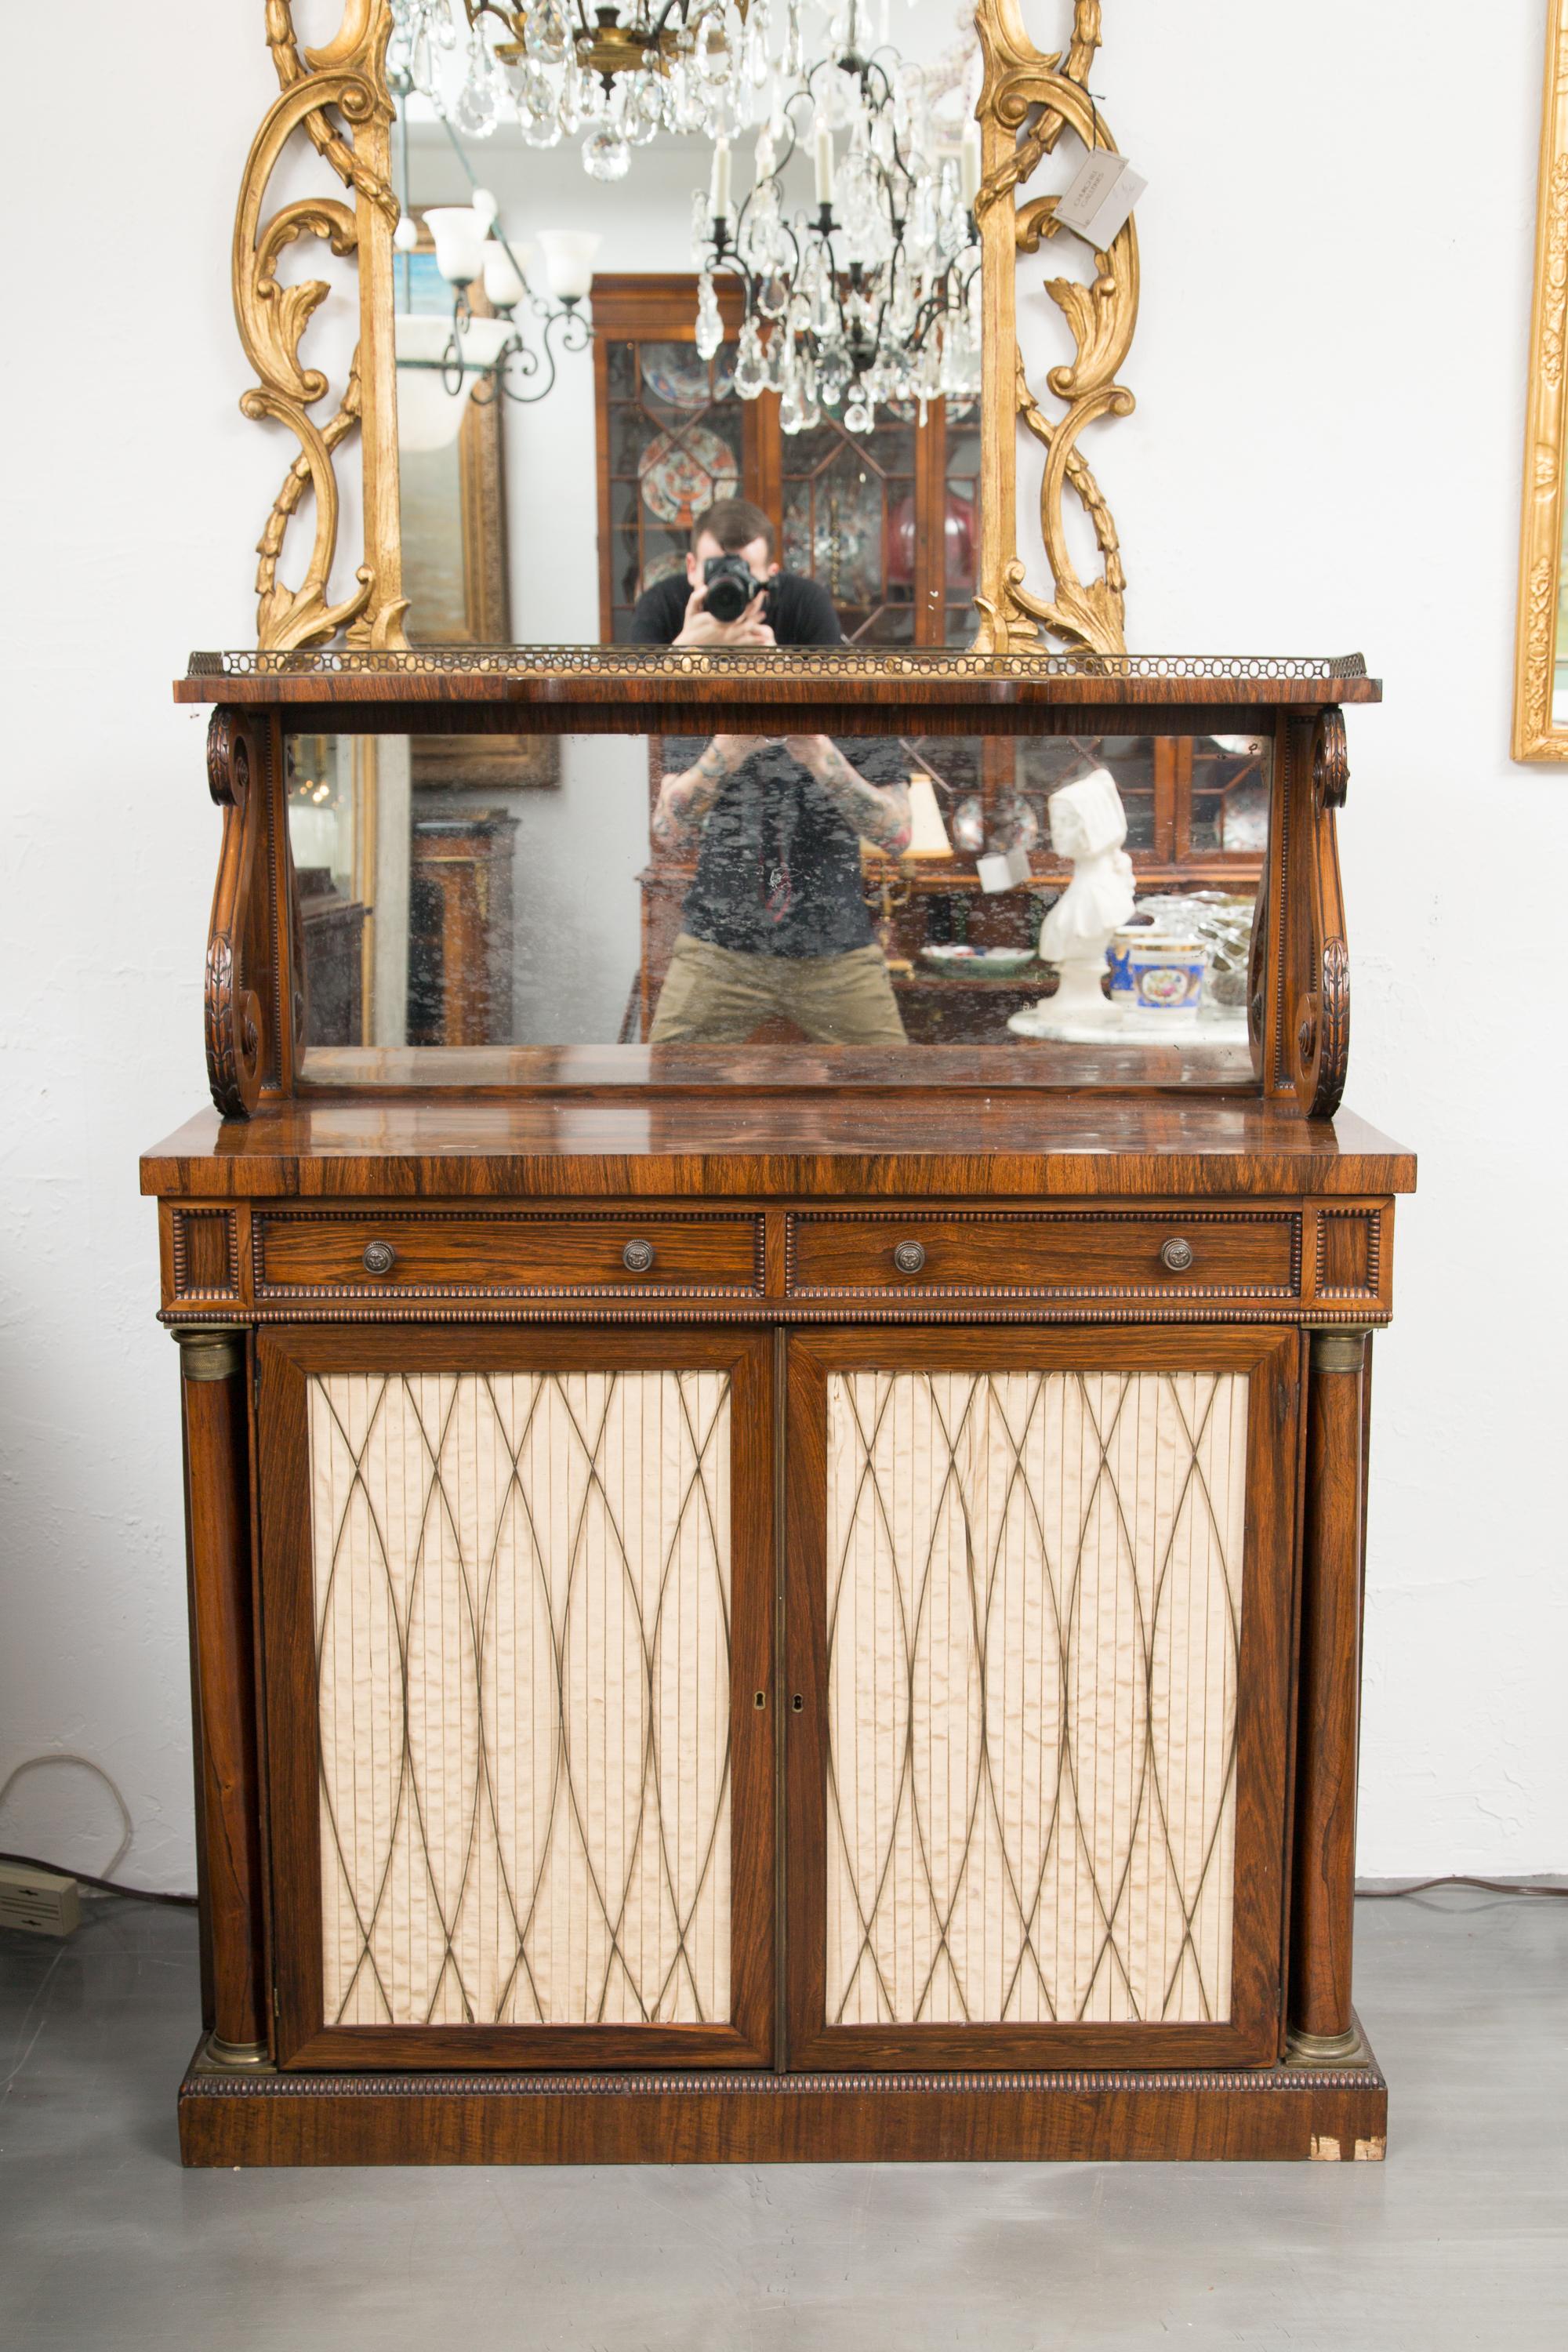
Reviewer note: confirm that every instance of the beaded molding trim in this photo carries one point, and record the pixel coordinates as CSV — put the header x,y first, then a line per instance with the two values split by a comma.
x,y
220,2083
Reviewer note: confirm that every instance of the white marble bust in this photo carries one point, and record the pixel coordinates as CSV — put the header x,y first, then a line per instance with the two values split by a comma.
x,y
1088,826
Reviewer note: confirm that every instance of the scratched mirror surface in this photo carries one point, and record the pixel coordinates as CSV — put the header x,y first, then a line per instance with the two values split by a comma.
x,y
1072,906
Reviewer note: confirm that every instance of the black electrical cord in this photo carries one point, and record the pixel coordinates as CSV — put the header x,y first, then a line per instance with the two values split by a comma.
x,y
1363,1893
107,1886
1460,1878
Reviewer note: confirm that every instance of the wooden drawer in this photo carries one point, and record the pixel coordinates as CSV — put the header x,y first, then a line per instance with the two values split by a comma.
x,y
437,1252
1202,1252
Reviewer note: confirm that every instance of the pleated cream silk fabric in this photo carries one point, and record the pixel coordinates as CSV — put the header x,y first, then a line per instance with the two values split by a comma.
x,y
1034,1624
522,1609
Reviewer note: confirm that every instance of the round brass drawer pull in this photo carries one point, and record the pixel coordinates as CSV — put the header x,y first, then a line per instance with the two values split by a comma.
x,y
909,1258
1176,1256
380,1257
637,1256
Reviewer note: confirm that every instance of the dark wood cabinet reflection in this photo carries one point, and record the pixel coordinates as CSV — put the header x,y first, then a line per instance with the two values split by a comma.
x,y
460,930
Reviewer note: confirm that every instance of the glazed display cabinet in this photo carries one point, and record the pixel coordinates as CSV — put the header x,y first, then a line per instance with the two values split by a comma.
x,y
775,1601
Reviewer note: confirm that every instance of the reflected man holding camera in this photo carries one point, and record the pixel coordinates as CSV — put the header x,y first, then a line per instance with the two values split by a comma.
x,y
775,923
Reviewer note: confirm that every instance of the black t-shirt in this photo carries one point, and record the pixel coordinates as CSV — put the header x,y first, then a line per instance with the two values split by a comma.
x,y
799,611
779,870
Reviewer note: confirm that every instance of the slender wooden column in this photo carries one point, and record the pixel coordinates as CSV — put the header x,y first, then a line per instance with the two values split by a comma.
x,y
211,1363
1320,2025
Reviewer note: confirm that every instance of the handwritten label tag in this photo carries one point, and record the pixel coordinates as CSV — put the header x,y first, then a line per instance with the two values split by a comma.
x,y
1099,204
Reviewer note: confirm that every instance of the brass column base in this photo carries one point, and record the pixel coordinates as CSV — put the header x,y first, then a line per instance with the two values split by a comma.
x,y
237,2054
1326,2048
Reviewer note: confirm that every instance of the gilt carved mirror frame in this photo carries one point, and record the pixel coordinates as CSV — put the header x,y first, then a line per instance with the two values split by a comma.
x,y
1538,734
335,100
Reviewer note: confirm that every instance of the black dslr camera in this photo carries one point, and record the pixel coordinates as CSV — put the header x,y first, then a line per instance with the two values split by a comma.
x,y
731,587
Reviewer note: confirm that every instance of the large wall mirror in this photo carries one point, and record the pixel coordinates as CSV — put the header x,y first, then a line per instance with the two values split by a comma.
x,y
612,267
703,316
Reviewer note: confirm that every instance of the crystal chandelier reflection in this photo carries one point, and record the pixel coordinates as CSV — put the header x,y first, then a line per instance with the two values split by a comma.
x,y
876,296
615,78
872,297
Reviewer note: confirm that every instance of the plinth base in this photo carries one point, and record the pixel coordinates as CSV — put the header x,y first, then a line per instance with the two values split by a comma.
x,y
1325,2113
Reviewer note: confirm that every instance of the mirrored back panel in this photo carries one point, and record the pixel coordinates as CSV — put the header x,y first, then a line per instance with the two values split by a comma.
x,y
1025,909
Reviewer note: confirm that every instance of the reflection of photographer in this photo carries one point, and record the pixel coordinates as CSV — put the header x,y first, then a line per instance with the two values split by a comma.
x,y
775,922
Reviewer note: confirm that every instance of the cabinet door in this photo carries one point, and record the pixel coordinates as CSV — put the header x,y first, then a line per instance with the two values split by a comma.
x,y
1039,1605
518,1606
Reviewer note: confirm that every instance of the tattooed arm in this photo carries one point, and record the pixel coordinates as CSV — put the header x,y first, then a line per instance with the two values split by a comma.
x,y
684,800
879,813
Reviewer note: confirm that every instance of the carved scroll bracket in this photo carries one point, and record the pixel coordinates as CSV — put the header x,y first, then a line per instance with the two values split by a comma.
x,y
233,1005
335,97
1320,1031
1026,102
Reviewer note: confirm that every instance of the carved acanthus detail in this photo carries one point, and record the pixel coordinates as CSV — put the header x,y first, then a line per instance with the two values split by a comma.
x,y
1027,100
1331,761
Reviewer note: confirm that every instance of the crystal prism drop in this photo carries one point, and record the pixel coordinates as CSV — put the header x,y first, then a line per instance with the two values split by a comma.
x,y
605,155
751,362
709,325
547,36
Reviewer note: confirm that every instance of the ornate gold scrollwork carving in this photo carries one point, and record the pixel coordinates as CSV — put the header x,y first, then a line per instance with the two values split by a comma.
x,y
1025,103
337,98
232,1007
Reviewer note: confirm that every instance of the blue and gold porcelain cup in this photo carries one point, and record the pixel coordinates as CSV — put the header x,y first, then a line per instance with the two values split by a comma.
x,y
1158,978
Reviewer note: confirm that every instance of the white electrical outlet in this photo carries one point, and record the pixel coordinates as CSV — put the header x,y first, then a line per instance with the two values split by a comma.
x,y
39,1900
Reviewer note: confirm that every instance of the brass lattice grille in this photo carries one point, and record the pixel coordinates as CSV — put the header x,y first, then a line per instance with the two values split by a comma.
x,y
522,1642
1034,1628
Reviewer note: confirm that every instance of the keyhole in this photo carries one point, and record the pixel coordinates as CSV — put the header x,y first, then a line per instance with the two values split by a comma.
x,y
798,1701
761,1700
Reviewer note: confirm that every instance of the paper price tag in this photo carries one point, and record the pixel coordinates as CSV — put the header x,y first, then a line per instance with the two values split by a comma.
x,y
1099,204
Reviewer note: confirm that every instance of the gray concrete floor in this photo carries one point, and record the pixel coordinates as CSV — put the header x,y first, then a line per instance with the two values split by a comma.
x,y
1460,2240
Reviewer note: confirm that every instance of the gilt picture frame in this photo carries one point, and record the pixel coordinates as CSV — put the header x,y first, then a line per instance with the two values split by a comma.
x,y
1541,670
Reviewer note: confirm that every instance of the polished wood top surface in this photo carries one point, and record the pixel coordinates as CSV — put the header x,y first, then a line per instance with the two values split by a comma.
x,y
951,1145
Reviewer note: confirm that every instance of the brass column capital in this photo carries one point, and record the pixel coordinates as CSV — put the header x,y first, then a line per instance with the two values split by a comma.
x,y
209,1351
1344,1350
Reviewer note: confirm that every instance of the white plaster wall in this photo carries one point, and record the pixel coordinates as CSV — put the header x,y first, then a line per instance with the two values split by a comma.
x,y
1327,454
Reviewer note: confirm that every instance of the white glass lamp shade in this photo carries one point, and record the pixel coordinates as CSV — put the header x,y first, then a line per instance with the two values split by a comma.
x,y
504,283
569,261
459,233
428,415
928,835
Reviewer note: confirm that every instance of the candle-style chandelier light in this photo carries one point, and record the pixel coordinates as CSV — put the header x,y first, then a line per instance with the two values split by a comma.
x,y
873,298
